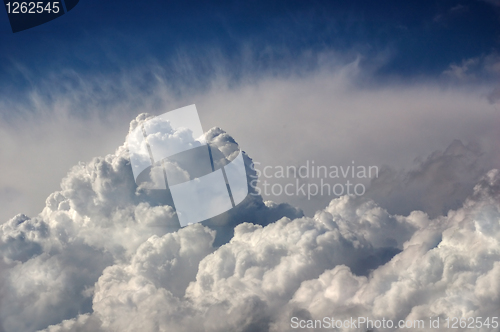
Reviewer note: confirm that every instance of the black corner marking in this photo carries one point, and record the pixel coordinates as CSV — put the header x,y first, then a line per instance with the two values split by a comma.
x,y
25,15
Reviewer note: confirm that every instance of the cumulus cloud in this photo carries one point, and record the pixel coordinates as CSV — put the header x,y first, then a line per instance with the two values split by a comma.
x,y
103,257
245,282
446,267
100,217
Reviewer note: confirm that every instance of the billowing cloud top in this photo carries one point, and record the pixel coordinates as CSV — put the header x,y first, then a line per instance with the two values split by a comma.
x,y
108,255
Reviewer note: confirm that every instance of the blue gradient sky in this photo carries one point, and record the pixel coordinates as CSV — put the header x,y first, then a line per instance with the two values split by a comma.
x,y
416,37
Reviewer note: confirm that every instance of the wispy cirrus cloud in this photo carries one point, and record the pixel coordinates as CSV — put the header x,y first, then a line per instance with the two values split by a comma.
x,y
334,113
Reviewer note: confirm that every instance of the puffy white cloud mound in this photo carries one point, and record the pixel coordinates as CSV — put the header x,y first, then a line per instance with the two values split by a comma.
x,y
246,282
99,218
451,268
447,267
107,255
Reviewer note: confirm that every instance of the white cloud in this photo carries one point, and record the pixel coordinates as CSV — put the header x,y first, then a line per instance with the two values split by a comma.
x,y
100,218
242,284
481,70
100,257
106,255
448,267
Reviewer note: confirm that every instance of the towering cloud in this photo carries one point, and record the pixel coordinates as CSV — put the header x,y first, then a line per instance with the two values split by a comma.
x,y
108,255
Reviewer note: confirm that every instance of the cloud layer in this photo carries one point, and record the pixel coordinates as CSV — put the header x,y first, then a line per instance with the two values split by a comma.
x,y
106,255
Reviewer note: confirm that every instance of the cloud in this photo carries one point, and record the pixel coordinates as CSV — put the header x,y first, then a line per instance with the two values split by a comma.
x,y
105,254
478,70
44,278
100,218
447,267
452,14
435,185
485,66
246,281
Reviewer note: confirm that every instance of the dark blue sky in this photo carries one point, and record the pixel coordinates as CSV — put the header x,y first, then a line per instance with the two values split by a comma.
x,y
107,37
